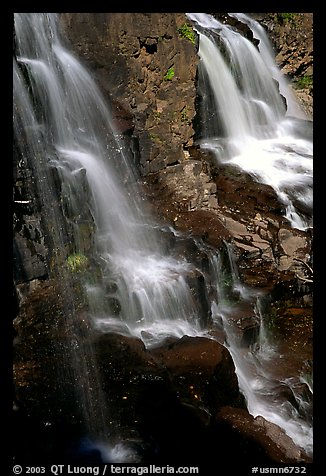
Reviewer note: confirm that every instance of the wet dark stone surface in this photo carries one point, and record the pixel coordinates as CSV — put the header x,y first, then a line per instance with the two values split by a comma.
x,y
182,400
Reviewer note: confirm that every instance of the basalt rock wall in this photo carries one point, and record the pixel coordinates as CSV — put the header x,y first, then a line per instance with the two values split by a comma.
x,y
147,71
291,35
145,65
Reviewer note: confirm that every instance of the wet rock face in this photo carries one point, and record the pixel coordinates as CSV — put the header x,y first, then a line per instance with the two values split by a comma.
x,y
130,55
292,38
143,63
30,253
45,417
270,254
197,367
175,391
162,402
235,209
37,246
259,440
158,400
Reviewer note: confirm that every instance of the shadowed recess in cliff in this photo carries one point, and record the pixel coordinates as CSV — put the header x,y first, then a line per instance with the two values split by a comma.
x,y
244,117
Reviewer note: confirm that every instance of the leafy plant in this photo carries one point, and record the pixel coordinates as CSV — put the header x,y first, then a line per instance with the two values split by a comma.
x,y
184,115
169,74
77,262
304,82
156,138
186,31
284,17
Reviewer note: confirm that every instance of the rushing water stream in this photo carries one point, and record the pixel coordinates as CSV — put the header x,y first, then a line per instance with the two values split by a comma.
x,y
62,123
251,130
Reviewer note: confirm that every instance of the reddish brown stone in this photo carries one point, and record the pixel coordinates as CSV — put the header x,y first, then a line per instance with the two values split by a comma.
x,y
257,439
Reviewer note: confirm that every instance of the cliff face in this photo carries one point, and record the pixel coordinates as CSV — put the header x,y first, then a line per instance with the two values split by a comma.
x,y
146,65
147,68
131,55
292,38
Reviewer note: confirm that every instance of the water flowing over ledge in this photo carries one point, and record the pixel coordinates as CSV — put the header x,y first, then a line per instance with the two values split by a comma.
x,y
252,130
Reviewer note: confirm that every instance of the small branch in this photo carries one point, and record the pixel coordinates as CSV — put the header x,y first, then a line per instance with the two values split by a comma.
x,y
306,264
306,280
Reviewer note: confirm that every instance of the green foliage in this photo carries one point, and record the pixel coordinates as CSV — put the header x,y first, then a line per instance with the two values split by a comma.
x,y
186,31
184,115
169,74
156,138
285,17
77,262
157,115
305,82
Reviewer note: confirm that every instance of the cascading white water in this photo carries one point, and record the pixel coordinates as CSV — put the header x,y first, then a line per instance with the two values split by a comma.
x,y
35,149
256,364
63,124
256,134
293,108
152,287
69,127
257,137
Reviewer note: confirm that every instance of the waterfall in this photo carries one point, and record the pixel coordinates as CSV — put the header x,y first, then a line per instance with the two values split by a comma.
x,y
293,108
256,363
80,138
40,122
135,284
65,131
253,131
